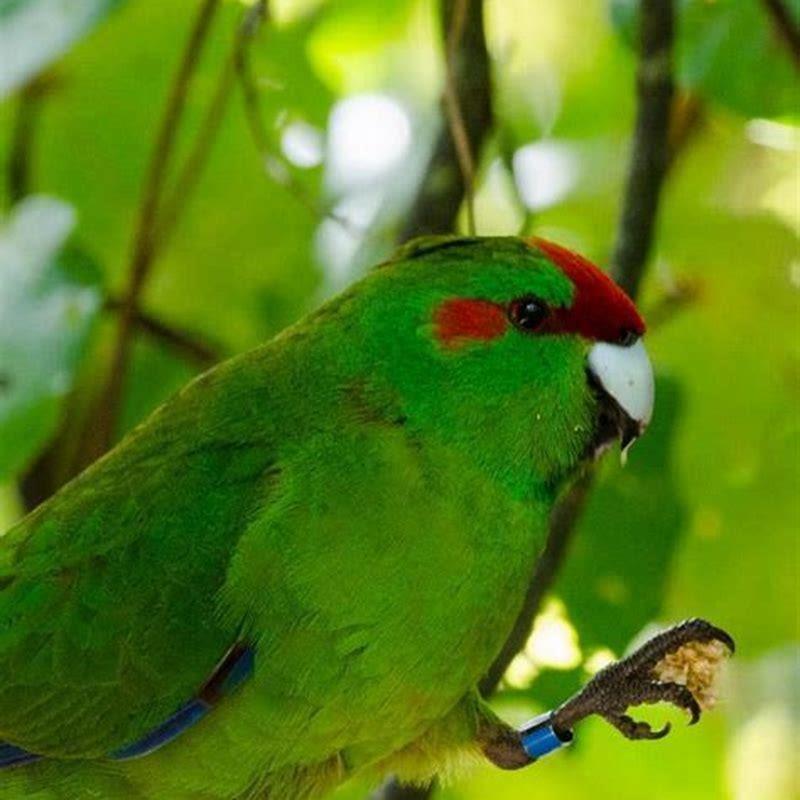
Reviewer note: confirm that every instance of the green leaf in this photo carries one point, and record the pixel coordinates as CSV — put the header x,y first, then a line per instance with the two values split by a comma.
x,y
33,33
49,297
728,51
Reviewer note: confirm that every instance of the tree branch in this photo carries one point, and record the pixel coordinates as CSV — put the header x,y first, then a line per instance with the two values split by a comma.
x,y
454,111
185,344
450,170
785,26
650,155
189,175
99,436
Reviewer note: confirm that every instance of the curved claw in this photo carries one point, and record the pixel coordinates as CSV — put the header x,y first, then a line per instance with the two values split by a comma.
x,y
636,730
674,693
661,732
702,630
634,680
670,641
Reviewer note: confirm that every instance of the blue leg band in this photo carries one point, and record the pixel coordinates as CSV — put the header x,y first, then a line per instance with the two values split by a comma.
x,y
539,737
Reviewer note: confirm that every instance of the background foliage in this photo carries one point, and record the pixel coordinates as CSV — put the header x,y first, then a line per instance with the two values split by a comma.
x,y
703,521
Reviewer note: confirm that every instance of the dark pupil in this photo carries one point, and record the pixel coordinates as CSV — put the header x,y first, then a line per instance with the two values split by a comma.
x,y
528,313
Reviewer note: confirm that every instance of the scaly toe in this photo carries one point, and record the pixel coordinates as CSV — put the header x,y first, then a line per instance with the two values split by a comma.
x,y
636,730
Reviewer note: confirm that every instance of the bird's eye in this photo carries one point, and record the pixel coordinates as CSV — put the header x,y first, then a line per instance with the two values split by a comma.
x,y
528,313
627,337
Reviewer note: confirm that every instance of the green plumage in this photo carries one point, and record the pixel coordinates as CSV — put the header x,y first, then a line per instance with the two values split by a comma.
x,y
361,504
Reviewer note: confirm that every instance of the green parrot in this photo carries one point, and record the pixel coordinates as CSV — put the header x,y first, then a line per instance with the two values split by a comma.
x,y
300,566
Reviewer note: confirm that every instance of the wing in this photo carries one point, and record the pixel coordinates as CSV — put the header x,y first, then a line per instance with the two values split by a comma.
x,y
108,592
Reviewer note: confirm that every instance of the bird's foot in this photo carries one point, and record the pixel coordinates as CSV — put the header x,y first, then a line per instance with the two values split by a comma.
x,y
502,745
677,666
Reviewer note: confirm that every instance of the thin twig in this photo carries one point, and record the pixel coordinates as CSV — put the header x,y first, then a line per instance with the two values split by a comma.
x,y
687,119
786,27
191,171
439,198
455,116
100,436
186,344
273,161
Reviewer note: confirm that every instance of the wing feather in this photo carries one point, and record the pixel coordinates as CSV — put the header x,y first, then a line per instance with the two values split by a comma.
x,y
108,592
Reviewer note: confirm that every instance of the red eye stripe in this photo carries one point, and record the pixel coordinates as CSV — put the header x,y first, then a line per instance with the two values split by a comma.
x,y
459,320
600,310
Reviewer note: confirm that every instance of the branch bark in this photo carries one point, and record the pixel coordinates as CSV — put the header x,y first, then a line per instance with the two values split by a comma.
x,y
785,26
436,206
184,343
455,110
650,156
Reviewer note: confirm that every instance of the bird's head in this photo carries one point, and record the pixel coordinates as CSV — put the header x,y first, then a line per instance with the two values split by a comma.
x,y
520,351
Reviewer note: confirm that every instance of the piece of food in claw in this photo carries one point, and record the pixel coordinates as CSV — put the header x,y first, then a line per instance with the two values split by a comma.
x,y
697,666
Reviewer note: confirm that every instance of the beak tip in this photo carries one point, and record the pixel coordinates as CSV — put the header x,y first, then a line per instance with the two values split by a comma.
x,y
626,375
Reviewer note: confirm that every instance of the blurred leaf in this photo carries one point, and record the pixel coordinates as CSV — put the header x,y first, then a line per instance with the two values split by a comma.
x,y
49,297
729,52
737,447
35,32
